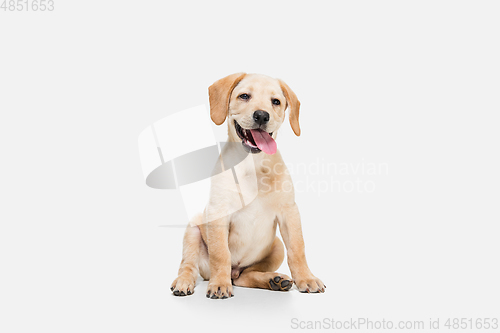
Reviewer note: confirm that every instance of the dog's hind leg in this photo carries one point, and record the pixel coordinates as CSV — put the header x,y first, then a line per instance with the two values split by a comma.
x,y
262,275
188,270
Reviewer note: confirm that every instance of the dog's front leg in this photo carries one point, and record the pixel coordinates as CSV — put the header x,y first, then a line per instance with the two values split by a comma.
x,y
291,232
219,285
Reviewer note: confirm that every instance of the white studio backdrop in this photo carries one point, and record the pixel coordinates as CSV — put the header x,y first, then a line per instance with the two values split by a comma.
x,y
396,170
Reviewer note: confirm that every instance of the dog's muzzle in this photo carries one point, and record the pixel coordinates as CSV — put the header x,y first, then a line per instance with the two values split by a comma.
x,y
256,140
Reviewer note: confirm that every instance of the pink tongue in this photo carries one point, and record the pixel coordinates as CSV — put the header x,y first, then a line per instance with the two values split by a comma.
x,y
264,141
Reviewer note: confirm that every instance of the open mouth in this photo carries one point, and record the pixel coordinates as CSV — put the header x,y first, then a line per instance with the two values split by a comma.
x,y
256,140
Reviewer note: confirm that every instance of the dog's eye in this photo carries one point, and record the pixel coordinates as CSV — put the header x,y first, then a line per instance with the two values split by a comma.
x,y
276,101
244,96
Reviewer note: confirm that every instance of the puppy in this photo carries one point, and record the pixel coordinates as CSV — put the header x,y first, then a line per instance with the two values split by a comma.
x,y
234,241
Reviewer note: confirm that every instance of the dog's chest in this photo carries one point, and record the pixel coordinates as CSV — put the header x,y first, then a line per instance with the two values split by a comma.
x,y
252,231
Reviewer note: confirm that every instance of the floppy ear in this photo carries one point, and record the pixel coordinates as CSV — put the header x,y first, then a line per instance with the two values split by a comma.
x,y
219,94
294,105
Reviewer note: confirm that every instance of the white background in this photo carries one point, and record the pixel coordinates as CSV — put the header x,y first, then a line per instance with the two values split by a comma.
x,y
411,84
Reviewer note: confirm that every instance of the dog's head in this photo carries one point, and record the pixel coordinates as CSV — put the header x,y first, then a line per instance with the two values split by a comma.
x,y
255,107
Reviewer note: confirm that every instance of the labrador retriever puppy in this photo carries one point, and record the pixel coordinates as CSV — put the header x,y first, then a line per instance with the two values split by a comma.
x,y
234,241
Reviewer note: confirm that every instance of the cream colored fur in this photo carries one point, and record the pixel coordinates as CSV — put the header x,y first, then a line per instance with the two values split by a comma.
x,y
241,247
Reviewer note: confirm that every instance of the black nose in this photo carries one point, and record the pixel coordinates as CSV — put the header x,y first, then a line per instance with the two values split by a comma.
x,y
261,117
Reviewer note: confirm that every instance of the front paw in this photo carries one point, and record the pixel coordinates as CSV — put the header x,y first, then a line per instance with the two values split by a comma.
x,y
219,288
309,284
183,286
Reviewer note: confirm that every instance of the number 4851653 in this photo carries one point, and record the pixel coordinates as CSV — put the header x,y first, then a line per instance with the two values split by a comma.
x,y
469,323
27,5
